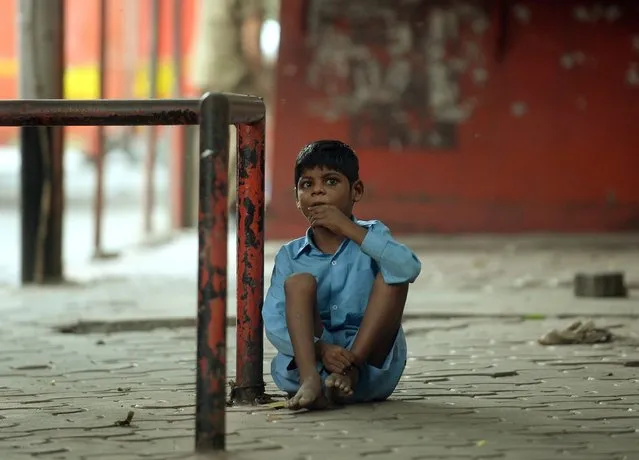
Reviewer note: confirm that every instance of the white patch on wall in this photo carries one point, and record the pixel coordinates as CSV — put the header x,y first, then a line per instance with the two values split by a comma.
x,y
632,74
612,13
571,60
581,103
580,13
522,13
519,109
337,57
480,25
597,12
480,76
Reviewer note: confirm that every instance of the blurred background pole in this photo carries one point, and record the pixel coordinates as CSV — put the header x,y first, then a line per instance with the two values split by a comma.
x,y
41,76
98,206
149,169
131,17
181,180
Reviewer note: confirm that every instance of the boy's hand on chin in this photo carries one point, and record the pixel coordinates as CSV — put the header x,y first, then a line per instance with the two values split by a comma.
x,y
329,217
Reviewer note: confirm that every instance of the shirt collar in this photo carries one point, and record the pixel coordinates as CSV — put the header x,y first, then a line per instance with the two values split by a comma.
x,y
308,238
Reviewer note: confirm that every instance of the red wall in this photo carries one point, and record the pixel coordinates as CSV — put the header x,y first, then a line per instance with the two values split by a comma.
x,y
551,137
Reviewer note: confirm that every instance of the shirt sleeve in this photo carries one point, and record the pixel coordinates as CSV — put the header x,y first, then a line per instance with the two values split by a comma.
x,y
274,309
396,261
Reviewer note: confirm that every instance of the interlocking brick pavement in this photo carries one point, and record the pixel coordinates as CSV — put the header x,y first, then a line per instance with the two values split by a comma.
x,y
475,390
477,385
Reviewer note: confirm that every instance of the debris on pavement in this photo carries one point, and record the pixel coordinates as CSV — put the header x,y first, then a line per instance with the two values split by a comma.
x,y
578,333
126,421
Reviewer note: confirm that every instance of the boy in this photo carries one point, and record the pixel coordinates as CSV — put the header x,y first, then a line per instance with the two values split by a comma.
x,y
337,295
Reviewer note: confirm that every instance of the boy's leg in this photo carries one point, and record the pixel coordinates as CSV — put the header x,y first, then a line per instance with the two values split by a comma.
x,y
303,322
381,322
377,333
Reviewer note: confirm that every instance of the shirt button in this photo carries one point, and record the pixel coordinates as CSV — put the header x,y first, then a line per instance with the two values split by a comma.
x,y
333,263
334,307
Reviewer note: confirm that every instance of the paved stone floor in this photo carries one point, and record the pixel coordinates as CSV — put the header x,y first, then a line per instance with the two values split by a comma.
x,y
477,384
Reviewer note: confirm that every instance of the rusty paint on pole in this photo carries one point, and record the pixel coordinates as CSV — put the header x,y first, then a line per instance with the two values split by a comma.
x,y
214,112
120,112
210,419
250,262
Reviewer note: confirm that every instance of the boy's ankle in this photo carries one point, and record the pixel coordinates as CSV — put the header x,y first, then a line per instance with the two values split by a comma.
x,y
310,376
359,360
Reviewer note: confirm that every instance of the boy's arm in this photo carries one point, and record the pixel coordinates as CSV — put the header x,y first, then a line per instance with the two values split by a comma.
x,y
274,309
397,263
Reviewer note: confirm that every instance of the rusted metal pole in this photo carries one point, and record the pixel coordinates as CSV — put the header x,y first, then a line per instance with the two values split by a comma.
x,y
152,139
214,112
41,60
120,112
98,205
250,261
210,421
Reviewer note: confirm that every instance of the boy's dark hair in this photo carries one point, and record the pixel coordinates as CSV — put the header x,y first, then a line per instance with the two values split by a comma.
x,y
328,154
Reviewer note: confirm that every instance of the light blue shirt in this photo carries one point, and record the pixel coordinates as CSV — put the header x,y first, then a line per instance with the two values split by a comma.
x,y
344,283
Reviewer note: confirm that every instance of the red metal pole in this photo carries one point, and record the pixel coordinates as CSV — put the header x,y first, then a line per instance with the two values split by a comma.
x,y
214,112
98,205
250,261
210,422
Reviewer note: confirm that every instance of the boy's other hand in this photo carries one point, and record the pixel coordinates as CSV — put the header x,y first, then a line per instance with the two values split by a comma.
x,y
329,217
335,358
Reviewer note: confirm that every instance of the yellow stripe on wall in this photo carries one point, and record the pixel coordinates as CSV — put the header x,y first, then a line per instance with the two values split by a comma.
x,y
81,81
8,68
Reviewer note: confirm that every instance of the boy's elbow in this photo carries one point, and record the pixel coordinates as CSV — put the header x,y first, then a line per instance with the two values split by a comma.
x,y
411,269
410,265
414,268
404,272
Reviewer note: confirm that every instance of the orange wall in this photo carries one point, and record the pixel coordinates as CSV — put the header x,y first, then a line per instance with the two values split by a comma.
x,y
81,78
543,135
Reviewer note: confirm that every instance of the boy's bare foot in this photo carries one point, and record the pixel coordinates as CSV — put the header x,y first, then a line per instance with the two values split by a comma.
x,y
309,396
342,385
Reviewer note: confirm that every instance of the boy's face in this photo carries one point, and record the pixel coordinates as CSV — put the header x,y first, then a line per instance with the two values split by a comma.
x,y
327,186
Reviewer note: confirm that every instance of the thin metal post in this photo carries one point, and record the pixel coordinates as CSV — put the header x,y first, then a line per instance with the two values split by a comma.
x,y
152,139
181,194
210,421
250,261
98,205
131,30
41,60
